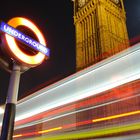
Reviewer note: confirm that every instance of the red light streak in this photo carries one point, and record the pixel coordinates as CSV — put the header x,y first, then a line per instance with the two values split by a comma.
x,y
29,134
80,123
77,124
123,91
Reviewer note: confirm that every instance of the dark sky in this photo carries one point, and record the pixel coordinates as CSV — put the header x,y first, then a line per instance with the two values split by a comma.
x,y
55,20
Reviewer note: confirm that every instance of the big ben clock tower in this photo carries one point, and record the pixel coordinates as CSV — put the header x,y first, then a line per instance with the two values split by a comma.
x,y
100,30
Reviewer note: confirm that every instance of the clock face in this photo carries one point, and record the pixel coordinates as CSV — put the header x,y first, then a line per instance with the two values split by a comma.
x,y
81,3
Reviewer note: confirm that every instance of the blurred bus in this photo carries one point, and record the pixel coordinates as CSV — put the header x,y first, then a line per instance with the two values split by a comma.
x,y
101,101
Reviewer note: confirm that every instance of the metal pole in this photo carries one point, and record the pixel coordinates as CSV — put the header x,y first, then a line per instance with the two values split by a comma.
x,y
10,109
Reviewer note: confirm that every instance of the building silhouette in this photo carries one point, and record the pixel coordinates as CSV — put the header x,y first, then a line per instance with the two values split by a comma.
x,y
100,27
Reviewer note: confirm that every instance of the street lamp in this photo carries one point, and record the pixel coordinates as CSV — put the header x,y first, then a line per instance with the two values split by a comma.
x,y
17,61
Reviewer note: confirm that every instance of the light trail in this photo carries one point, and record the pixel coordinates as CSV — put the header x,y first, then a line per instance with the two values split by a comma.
x,y
66,114
87,122
79,86
17,136
116,116
49,130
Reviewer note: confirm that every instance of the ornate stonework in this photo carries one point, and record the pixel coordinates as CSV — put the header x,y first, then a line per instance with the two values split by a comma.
x,y
100,30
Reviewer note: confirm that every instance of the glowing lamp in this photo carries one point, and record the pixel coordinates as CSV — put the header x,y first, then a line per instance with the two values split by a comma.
x,y
13,48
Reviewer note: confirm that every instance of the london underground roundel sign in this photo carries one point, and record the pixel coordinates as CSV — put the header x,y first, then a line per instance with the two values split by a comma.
x,y
12,34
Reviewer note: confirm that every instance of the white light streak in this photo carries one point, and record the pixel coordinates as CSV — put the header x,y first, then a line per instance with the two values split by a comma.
x,y
115,71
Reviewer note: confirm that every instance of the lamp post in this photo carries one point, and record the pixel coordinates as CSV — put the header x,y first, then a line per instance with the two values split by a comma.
x,y
10,109
21,61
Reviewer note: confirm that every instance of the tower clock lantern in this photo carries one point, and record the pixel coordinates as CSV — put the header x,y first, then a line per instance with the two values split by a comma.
x,y
100,27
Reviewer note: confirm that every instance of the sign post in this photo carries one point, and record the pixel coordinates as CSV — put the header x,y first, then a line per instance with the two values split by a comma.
x,y
10,108
21,61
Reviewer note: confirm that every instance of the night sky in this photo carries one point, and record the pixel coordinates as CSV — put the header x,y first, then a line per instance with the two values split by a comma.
x,y
55,20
